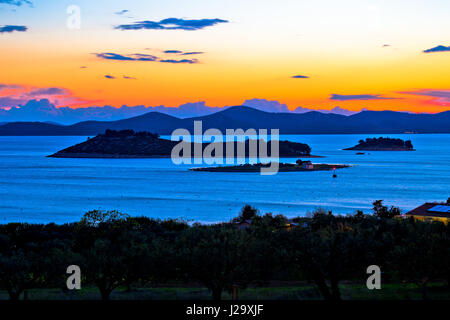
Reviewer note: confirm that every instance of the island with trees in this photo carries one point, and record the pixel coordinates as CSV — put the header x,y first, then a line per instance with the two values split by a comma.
x,y
299,166
383,144
131,144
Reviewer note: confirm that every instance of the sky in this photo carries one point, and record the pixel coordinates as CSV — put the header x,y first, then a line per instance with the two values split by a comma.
x,y
315,54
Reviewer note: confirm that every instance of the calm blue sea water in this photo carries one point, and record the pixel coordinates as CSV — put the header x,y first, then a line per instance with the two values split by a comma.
x,y
34,188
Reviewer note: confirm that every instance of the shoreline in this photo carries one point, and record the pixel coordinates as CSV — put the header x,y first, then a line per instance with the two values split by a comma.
x,y
283,167
377,149
126,156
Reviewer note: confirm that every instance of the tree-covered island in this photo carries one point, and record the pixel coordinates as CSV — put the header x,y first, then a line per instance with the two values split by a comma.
x,y
383,144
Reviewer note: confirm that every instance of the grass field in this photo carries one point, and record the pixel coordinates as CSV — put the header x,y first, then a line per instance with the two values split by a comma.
x,y
435,291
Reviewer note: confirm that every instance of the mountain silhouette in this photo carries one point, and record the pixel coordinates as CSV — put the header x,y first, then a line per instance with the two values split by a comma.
x,y
240,117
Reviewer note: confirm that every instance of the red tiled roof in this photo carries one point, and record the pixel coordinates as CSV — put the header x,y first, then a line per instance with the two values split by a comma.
x,y
423,210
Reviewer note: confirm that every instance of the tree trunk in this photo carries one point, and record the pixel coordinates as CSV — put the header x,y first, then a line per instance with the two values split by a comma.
x,y
323,288
217,294
105,293
319,280
424,291
335,292
14,296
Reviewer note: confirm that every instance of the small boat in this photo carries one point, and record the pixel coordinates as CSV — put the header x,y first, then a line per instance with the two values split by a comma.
x,y
334,173
360,153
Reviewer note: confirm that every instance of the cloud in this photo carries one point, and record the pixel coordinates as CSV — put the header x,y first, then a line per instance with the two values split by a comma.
x,y
13,95
342,97
141,57
266,105
10,86
181,53
335,110
437,49
173,51
191,53
386,45
16,3
8,101
10,28
122,12
107,76
275,106
129,78
45,110
171,24
130,57
188,61
440,97
299,76
47,91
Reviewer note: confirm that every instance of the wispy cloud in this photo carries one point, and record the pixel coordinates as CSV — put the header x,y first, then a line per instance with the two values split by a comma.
x,y
10,86
12,95
344,97
129,78
437,49
10,28
107,76
16,3
121,12
129,57
191,53
47,91
188,61
440,97
181,53
171,24
141,57
299,76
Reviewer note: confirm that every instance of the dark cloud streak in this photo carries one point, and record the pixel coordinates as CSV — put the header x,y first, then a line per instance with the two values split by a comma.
x,y
141,57
17,3
171,24
11,28
343,97
130,57
437,49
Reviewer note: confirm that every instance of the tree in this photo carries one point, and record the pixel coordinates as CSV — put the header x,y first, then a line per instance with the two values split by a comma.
x,y
16,273
216,256
106,245
247,213
328,250
422,255
381,211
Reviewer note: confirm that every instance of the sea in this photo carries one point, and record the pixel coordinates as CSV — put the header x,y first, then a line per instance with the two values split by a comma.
x,y
37,189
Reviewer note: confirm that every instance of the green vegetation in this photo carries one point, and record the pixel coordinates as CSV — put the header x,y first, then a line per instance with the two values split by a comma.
x,y
383,144
265,256
130,144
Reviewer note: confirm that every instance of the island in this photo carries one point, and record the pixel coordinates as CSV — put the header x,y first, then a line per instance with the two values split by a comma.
x,y
383,144
299,166
130,144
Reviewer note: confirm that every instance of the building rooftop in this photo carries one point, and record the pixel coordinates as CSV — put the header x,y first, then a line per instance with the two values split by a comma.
x,y
431,209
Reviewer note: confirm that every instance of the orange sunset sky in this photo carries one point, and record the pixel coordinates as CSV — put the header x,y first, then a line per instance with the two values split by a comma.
x,y
379,55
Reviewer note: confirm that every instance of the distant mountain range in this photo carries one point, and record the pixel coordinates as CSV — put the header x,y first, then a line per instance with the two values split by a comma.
x,y
376,122
45,111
